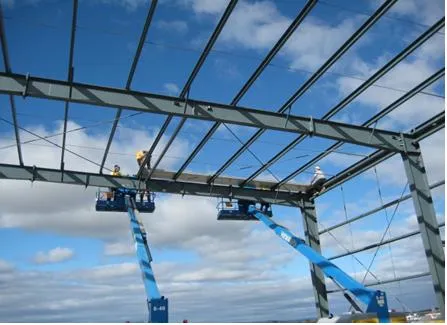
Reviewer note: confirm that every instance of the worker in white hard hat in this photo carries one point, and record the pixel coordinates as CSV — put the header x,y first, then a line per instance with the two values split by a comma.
x,y
317,182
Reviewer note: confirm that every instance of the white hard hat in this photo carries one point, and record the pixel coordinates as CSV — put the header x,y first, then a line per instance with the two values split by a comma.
x,y
317,167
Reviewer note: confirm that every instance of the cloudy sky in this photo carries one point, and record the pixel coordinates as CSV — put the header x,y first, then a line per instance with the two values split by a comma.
x,y
62,261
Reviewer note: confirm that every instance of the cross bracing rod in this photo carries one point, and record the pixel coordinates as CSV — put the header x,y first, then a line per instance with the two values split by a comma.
x,y
421,132
164,185
313,79
15,84
413,92
185,91
136,58
7,65
375,210
404,278
340,106
70,76
378,244
269,57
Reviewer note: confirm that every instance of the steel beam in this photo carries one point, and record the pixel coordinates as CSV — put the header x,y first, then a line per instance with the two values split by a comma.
x,y
428,225
313,240
185,91
379,244
7,65
159,183
371,80
375,210
421,132
15,84
136,58
413,92
269,57
404,278
69,77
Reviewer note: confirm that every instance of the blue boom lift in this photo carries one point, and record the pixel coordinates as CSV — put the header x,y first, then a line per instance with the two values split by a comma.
x,y
375,300
124,200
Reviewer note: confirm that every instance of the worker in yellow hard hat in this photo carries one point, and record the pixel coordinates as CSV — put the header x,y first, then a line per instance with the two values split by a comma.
x,y
140,156
115,172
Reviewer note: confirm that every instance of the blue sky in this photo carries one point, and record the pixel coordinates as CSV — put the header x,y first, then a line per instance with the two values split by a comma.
x,y
54,244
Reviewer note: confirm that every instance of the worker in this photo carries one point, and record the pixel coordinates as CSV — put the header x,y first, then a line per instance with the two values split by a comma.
x,y
112,190
317,182
141,155
116,171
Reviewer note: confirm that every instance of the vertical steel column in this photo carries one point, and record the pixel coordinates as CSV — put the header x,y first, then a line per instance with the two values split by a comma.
x,y
313,240
428,226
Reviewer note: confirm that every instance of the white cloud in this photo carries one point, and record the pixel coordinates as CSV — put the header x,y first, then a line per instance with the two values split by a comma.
x,y
55,255
171,88
119,249
176,26
425,11
206,6
130,5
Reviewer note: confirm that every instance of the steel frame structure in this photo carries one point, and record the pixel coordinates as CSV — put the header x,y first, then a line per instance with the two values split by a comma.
x,y
283,192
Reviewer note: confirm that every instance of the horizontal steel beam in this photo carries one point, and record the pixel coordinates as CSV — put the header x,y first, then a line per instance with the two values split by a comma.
x,y
375,210
404,278
15,84
32,173
388,241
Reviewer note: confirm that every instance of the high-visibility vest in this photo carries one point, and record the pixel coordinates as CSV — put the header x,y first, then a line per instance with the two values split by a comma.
x,y
114,173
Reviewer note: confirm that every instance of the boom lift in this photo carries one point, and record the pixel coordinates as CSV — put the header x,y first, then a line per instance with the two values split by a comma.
x,y
375,300
124,200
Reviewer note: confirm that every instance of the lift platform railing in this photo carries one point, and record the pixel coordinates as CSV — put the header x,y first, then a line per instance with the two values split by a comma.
x,y
375,300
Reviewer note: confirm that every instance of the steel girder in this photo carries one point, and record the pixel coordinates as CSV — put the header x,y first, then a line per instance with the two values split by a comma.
x,y
15,84
164,184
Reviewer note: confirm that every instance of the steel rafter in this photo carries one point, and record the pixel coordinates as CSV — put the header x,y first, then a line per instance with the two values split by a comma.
x,y
164,184
400,101
185,91
8,70
111,97
70,77
421,132
136,58
313,79
269,57
376,76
